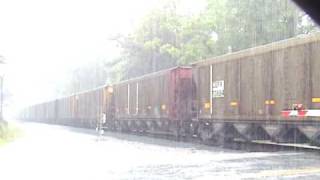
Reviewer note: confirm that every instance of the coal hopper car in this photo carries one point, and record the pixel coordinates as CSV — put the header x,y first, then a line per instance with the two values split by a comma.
x,y
271,91
157,102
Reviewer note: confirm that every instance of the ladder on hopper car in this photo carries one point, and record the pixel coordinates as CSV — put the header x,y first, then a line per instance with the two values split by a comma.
x,y
101,121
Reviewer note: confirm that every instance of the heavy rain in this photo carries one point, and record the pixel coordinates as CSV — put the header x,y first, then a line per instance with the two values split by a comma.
x,y
159,89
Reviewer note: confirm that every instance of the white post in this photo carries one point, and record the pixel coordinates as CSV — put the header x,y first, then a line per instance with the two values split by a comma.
x,y
128,98
137,98
210,90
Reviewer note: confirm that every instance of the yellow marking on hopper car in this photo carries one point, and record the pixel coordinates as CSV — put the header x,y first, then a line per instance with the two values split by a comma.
x,y
316,100
207,105
288,172
234,103
269,102
110,89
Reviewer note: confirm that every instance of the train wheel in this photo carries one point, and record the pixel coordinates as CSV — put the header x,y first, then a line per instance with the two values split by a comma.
x,y
193,129
132,126
117,126
174,128
205,131
124,126
152,126
143,127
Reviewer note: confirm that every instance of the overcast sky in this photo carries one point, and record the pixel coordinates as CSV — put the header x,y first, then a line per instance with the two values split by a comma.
x,y
42,40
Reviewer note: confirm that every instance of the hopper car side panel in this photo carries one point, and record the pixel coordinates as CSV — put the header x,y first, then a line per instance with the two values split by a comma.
x,y
259,83
152,97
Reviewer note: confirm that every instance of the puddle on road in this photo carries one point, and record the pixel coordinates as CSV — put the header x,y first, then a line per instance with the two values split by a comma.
x,y
64,153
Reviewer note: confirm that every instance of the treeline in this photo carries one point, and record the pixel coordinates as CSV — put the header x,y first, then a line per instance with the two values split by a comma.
x,y
167,36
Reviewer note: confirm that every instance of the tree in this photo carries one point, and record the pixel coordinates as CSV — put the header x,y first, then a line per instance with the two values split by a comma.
x,y
249,23
166,38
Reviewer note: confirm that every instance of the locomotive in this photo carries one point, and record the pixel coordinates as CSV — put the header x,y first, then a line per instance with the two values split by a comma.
x,y
270,92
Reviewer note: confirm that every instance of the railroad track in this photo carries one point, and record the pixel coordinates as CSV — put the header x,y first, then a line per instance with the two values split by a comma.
x,y
236,144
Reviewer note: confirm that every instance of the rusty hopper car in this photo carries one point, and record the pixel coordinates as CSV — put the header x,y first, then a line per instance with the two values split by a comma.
x,y
155,102
274,83
81,110
64,116
87,107
271,92
40,112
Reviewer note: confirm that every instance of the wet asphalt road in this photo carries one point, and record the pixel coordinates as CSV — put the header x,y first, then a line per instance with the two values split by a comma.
x,y
57,152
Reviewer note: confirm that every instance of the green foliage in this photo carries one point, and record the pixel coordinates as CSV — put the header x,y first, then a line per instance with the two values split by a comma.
x,y
166,38
251,23
8,132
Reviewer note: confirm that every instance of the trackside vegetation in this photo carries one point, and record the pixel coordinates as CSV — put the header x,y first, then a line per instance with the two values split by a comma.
x,y
169,35
8,132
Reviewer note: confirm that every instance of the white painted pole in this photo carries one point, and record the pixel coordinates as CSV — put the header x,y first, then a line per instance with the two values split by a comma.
x,y
128,99
137,98
210,90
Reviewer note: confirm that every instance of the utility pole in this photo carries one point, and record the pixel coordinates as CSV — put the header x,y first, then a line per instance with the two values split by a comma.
x,y
2,63
1,103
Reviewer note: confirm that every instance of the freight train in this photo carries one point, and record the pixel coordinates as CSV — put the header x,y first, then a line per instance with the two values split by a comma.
x,y
270,92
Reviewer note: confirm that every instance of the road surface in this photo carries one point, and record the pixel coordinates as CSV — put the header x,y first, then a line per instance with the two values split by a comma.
x,y
56,152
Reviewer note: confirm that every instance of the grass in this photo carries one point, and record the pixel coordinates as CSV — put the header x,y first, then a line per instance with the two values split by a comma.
x,y
8,132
